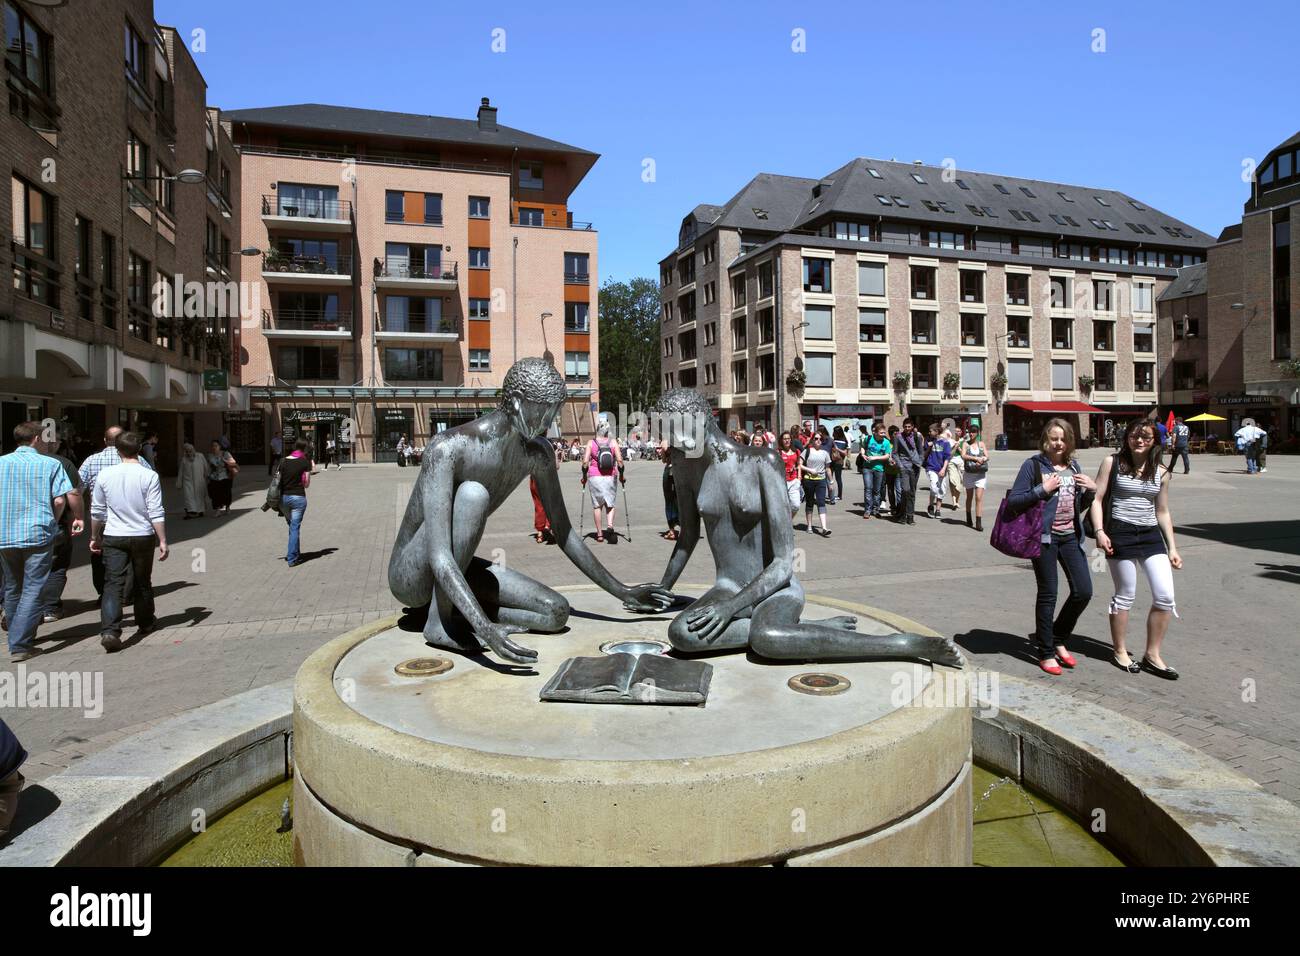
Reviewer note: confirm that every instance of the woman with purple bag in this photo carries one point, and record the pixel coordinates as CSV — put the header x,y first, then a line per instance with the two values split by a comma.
x,y
1053,480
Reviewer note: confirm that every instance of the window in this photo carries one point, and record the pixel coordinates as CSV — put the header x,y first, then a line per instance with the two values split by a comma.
x,y
531,216
108,279
1062,333
1018,374
479,258
408,260
1103,374
817,275
413,365
433,209
27,51
137,281
319,362
577,366
1062,376
687,376
1103,295
961,184
766,326
1141,297
686,345
1144,377
710,293
764,280
1100,201
972,330
871,371
871,278
668,311
1028,192
972,373
711,374
394,206
415,314
530,176
164,298
85,248
883,200
480,308
919,178
925,371
575,268
767,372
577,317
739,378
821,322
972,286
1103,336
737,291
710,252
710,333
820,370
1187,327
875,173
1065,197
1144,339
668,380
871,325
1184,375
686,270
137,57
164,188
1017,288
922,282
943,239
480,360
1002,189
137,156
1061,287
738,334
479,207
686,308
668,347
1018,331
923,328
900,201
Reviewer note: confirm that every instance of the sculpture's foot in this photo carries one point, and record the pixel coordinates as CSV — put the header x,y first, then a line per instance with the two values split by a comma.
x,y
436,634
941,650
846,622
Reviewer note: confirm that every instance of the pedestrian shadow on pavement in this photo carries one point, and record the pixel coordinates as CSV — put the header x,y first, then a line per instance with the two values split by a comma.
x,y
1290,573
35,803
981,641
68,636
189,617
1280,536
313,555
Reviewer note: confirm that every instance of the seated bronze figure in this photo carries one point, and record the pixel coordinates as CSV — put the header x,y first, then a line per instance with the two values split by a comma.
x,y
466,474
739,492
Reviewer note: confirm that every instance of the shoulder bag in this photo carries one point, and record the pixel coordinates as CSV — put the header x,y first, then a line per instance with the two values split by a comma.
x,y
1021,535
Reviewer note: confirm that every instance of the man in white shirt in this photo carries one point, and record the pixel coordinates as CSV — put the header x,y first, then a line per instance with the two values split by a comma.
x,y
1248,439
90,469
126,519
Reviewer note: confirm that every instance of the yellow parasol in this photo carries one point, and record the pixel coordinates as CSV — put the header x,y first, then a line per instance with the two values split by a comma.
x,y
1205,417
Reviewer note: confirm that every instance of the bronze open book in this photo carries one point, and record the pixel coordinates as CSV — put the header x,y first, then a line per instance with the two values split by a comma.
x,y
629,679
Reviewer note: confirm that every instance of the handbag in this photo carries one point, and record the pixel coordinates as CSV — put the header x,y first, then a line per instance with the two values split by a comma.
x,y
273,492
973,469
1021,535
232,467
1089,528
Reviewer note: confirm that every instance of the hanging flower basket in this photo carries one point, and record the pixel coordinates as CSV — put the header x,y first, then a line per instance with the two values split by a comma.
x,y
951,382
796,381
902,381
998,382
1085,383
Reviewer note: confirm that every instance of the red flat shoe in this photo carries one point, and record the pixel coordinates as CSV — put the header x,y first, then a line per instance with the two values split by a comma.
x,y
1051,666
1065,657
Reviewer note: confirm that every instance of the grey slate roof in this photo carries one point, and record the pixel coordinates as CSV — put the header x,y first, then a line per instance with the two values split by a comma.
x,y
1190,281
442,129
851,191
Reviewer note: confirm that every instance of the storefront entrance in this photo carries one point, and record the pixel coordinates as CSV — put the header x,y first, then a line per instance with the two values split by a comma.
x,y
317,425
390,425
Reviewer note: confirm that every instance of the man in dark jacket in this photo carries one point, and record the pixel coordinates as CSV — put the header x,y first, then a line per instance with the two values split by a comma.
x,y
909,456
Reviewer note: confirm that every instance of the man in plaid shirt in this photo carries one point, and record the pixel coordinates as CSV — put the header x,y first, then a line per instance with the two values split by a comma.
x,y
90,469
33,490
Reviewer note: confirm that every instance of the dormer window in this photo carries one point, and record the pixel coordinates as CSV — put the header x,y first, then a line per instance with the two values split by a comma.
x,y
530,176
961,184
1137,205
900,201
1028,192
1002,189
1101,201
883,200
1065,197
875,173
919,178
759,213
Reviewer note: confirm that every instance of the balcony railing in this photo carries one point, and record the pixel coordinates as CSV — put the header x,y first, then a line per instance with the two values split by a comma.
x,y
309,265
378,159
307,320
396,267
273,205
576,278
569,223
414,325
583,325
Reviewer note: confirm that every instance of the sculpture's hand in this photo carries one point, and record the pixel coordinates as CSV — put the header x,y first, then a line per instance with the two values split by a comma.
x,y
497,638
651,598
710,621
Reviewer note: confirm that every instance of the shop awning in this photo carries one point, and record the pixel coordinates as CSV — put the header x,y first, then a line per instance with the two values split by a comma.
x,y
1049,408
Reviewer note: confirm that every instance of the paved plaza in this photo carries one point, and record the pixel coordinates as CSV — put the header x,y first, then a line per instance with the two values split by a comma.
x,y
233,617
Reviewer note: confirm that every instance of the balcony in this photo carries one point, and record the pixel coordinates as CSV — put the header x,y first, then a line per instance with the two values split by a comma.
x,y
583,278
286,270
306,324
397,272
307,215
418,329
569,223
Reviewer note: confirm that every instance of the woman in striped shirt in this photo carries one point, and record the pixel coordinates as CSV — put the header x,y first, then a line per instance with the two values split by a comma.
x,y
1134,527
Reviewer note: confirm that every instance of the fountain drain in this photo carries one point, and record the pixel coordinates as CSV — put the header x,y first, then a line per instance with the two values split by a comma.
x,y
819,684
424,666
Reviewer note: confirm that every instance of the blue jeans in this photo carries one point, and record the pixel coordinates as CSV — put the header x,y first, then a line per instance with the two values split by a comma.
x,y
873,483
296,506
25,573
1252,463
1066,551
127,558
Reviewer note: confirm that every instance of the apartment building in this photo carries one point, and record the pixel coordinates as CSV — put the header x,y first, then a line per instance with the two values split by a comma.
x,y
886,289
122,184
404,262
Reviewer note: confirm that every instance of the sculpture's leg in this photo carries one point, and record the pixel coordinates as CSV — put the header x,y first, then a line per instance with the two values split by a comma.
x,y
735,634
776,632
509,597
468,518
410,571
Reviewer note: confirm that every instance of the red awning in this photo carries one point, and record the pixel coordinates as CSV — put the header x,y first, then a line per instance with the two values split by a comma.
x,y
1057,407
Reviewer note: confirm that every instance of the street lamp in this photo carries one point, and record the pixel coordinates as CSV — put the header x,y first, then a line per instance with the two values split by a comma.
x,y
547,354
190,177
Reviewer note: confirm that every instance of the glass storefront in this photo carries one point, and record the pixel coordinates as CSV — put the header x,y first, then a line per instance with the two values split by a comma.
x,y
315,424
390,425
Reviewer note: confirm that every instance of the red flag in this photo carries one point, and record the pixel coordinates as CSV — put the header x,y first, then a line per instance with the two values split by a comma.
x,y
1169,424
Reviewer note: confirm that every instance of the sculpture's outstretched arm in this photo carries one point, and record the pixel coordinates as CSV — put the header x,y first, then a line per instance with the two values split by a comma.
x,y
641,597
688,516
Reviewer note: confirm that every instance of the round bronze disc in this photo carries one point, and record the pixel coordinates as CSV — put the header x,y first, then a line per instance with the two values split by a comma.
x,y
424,666
819,684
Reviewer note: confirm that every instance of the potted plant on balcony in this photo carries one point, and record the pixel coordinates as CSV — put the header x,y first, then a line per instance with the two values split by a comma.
x,y
951,383
1292,368
1085,384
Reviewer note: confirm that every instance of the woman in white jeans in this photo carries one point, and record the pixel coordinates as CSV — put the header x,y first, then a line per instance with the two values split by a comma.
x,y
1135,529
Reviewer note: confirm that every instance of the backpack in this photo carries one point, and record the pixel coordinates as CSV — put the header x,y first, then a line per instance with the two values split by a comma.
x,y
605,458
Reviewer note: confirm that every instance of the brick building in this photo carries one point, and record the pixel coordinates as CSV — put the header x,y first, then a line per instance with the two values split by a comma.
x,y
403,263
950,294
103,228
1240,358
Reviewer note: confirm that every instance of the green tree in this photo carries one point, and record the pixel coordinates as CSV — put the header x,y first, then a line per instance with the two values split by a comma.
x,y
629,344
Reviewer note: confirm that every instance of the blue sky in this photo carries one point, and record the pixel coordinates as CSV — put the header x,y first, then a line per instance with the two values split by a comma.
x,y
714,93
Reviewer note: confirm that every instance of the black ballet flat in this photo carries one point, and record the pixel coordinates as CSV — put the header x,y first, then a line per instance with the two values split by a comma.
x,y
1133,667
1168,673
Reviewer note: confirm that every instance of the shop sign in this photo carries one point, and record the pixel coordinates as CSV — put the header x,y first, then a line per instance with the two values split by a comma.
x,y
215,379
1241,398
